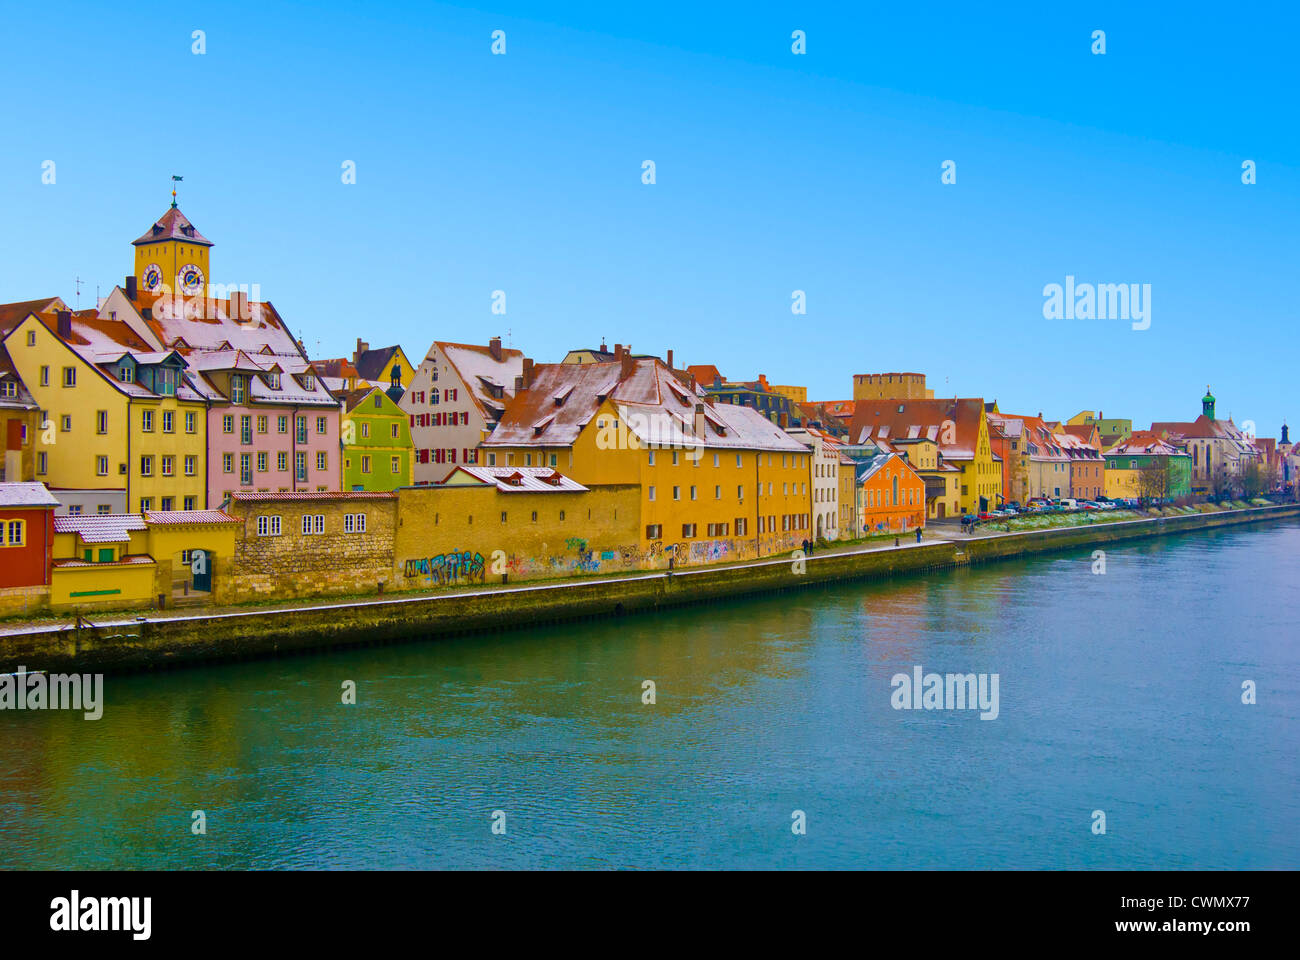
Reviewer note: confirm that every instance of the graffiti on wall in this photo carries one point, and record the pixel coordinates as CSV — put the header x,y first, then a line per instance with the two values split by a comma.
x,y
457,566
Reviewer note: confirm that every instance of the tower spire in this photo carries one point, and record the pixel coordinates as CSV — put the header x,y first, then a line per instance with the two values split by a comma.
x,y
175,180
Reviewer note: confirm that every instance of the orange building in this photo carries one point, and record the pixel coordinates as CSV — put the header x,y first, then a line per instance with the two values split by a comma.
x,y
891,496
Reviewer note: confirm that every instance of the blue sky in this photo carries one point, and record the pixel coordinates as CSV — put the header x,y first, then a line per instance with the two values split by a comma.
x,y
774,172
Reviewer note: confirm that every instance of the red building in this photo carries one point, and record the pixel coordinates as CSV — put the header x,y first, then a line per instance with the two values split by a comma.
x,y
26,534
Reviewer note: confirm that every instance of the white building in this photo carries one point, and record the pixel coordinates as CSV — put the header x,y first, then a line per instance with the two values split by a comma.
x,y
456,397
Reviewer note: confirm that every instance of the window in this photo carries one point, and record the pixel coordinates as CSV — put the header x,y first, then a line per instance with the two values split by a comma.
x,y
246,429
354,523
651,492
534,516
300,464
674,458
322,424
740,492
301,425
228,424
69,376
261,424
74,510
101,466
166,504
146,503
677,493
189,421
103,508
313,523
717,493
245,468
282,424
146,421
167,418
237,388
45,376
654,531
261,461
365,430
15,533
8,388
717,462
168,465
688,530
189,503
146,466
190,462
66,422
322,460
392,430
31,338
282,461
101,421
742,526
268,526
397,464
652,458
693,497
365,464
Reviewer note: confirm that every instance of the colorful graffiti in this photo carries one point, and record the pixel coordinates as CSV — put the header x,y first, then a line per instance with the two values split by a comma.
x,y
449,568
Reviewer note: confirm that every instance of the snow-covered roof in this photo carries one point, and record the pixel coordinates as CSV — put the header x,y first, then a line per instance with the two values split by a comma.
x,y
17,494
101,527
520,479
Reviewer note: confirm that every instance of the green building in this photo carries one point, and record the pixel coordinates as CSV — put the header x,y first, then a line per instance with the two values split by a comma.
x,y
376,438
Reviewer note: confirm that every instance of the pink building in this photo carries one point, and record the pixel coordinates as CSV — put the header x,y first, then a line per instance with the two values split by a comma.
x,y
272,424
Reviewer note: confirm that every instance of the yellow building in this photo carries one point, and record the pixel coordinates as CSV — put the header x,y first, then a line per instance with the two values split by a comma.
x,y
125,561
797,394
958,427
173,255
717,481
891,386
120,415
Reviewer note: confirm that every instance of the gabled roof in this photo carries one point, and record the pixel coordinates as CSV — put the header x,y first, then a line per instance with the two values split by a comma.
x,y
480,371
12,314
9,373
188,517
869,468
705,374
654,404
173,225
884,419
374,364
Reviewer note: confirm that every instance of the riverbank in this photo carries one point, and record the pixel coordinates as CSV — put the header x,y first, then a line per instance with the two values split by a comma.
x,y
126,644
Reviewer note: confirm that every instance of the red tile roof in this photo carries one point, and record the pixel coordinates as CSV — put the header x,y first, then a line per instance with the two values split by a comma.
x,y
892,419
321,495
168,517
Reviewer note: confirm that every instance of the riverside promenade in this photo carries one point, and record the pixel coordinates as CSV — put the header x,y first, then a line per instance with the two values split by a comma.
x,y
117,642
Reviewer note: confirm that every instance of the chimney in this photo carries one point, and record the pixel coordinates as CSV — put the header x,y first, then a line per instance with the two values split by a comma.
x,y
528,372
785,420
64,325
670,359
238,305
494,348
627,362
618,351
130,288
362,347
519,384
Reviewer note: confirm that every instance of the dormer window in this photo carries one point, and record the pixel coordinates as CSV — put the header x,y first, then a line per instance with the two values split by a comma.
x,y
126,373
237,388
308,382
273,380
169,378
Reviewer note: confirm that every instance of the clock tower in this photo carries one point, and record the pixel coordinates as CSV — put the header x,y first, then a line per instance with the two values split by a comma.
x,y
174,253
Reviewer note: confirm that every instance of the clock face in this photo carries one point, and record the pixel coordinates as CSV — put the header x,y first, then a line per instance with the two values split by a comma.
x,y
191,278
152,277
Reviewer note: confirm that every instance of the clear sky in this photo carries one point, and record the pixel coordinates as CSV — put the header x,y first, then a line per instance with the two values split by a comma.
x,y
775,172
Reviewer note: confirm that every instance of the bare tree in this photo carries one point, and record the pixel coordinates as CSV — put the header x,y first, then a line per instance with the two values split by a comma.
x,y
1221,483
1154,481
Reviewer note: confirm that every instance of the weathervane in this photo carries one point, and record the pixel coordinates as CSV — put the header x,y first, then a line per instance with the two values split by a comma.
x,y
175,180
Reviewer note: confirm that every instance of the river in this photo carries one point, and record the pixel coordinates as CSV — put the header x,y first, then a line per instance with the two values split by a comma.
x,y
1118,692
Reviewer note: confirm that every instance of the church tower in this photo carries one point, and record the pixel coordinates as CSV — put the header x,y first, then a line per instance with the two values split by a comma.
x,y
1207,404
174,253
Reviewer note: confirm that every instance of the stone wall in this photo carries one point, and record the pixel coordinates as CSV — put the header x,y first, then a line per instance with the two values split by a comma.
x,y
293,564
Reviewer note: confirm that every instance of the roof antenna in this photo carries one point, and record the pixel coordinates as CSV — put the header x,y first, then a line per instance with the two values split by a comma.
x,y
77,285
